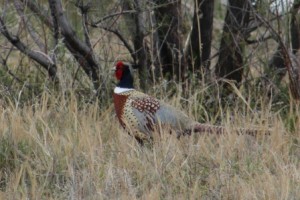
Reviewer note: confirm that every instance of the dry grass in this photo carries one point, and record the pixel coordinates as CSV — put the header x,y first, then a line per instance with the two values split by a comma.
x,y
58,149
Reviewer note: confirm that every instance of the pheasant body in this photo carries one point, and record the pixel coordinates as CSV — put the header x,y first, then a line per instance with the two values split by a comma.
x,y
141,114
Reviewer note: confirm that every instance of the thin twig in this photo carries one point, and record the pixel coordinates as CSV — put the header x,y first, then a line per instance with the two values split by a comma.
x,y
20,9
259,40
84,9
121,37
3,61
40,12
96,24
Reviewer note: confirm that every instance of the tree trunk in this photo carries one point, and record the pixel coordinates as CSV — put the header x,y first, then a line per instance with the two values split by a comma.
x,y
199,45
295,28
295,57
169,41
230,63
136,24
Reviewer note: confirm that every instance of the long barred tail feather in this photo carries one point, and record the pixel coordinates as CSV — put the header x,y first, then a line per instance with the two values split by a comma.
x,y
207,128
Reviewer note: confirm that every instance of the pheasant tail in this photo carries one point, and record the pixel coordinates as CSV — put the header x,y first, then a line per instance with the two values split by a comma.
x,y
207,128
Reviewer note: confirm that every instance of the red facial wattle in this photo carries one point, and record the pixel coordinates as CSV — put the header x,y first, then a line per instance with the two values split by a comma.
x,y
119,70
119,73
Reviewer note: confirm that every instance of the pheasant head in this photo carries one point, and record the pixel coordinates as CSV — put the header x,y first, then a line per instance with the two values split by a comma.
x,y
123,73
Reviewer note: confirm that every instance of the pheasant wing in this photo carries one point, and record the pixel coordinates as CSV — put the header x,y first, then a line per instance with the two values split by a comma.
x,y
145,109
151,111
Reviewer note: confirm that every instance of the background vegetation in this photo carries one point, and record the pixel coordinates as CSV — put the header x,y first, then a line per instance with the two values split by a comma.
x,y
59,138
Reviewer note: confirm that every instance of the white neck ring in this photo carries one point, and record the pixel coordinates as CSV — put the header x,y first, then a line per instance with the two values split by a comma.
x,y
119,90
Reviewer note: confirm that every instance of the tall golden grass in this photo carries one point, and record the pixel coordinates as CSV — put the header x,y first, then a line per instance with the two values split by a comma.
x,y
59,148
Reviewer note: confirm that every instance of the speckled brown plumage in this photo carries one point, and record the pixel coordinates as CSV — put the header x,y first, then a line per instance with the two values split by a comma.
x,y
126,106
146,104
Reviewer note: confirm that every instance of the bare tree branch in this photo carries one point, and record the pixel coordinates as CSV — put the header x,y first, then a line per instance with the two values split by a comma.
x,y
82,52
123,40
36,38
261,39
43,59
116,31
55,29
3,61
96,24
40,12
84,9
287,59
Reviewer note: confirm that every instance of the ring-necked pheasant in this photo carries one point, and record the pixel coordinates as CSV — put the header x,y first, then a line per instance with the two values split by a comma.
x,y
141,114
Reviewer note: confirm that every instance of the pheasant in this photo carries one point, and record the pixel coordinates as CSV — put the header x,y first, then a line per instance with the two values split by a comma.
x,y
142,114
